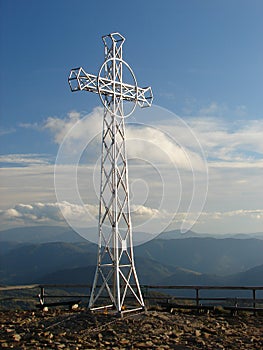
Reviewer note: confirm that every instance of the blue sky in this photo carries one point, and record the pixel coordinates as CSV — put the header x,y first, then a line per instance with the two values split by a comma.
x,y
202,58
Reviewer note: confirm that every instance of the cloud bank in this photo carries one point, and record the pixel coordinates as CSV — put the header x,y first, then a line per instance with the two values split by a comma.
x,y
164,156
76,132
87,215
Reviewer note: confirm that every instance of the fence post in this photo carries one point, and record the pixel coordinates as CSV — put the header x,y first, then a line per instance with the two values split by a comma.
x,y
254,300
41,295
197,296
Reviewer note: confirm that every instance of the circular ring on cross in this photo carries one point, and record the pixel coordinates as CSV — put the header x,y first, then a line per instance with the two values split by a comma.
x,y
117,96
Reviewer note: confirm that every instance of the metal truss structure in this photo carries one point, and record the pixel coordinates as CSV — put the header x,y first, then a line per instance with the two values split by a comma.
x,y
115,283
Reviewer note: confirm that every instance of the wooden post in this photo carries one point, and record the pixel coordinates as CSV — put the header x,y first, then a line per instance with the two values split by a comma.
x,y
197,296
41,295
254,300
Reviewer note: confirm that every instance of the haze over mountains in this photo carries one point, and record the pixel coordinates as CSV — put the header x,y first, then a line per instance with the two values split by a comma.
x,y
45,234
59,255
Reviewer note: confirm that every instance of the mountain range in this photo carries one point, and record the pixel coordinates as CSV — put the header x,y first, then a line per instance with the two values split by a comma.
x,y
60,255
46,234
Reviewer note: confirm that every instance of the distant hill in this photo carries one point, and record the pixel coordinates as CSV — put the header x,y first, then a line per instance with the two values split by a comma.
x,y
186,277
252,277
28,263
154,273
257,235
205,255
59,262
177,234
77,275
149,272
46,234
40,234
59,255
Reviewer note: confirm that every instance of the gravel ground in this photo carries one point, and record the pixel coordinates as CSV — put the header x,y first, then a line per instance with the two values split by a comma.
x,y
80,329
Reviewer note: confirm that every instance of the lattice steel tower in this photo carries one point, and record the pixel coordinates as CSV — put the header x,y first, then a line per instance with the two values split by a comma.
x,y
115,278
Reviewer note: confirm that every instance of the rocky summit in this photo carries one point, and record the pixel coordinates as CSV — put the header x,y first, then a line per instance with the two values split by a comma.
x,y
80,329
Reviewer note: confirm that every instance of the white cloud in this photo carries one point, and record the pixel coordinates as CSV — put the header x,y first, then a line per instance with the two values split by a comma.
x,y
213,109
26,184
77,132
153,144
236,143
25,159
75,126
238,163
86,215
233,221
250,213
167,150
34,126
48,213
33,213
6,131
253,214
141,212
159,154
78,216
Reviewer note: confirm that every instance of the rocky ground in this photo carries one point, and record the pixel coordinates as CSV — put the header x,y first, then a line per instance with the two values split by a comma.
x,y
79,329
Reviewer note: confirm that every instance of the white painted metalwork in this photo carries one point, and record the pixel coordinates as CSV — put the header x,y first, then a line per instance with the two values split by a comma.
x,y
115,277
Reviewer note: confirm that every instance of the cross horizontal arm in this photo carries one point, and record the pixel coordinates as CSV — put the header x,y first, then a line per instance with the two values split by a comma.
x,y
80,80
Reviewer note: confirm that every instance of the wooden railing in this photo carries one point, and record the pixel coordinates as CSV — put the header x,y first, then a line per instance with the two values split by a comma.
x,y
165,295
197,301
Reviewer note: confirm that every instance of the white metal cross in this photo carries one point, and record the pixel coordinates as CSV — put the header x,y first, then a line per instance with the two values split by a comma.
x,y
115,283
108,84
